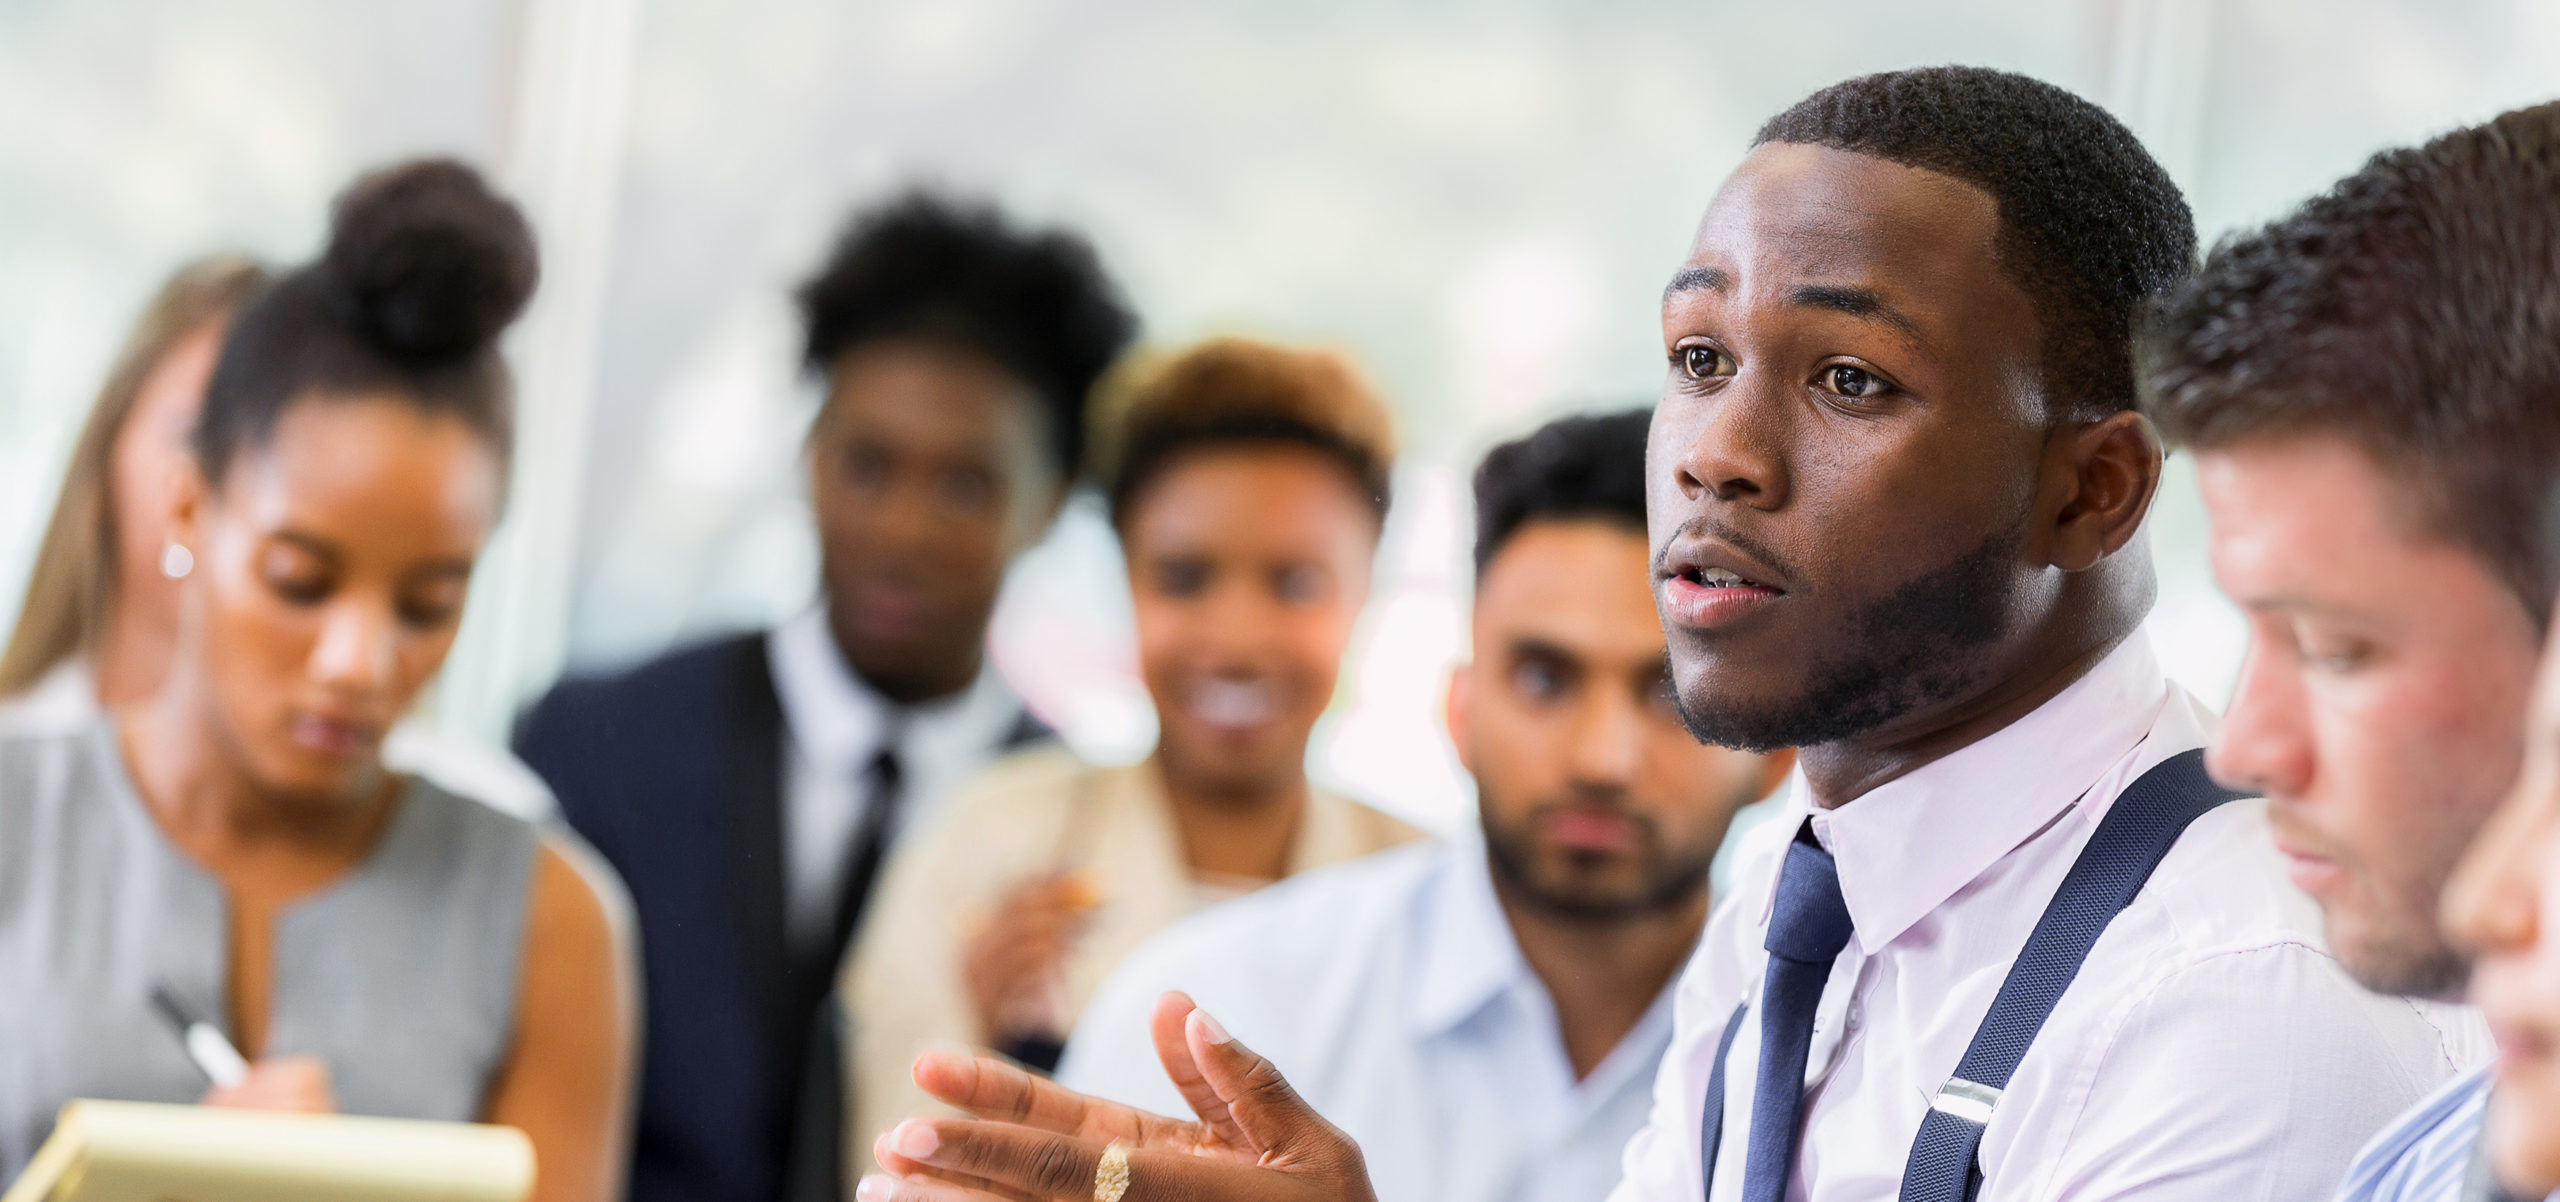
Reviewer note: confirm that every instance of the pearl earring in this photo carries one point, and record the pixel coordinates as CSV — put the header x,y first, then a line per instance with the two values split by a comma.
x,y
176,561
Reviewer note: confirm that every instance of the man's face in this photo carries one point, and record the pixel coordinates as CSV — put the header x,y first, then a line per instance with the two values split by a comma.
x,y
2382,704
1844,462
1595,803
929,472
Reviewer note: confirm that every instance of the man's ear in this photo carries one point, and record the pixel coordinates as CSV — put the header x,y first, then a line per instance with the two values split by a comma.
x,y
2099,479
1453,713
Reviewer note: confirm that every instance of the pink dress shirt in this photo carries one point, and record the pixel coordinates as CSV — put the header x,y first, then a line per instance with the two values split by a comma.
x,y
2210,1048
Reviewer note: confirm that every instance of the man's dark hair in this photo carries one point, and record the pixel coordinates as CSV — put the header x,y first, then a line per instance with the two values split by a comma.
x,y
2090,227
2414,310
957,273
1587,466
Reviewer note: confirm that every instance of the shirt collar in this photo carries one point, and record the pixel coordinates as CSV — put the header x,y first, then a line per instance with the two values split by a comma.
x,y
1469,957
1908,845
839,720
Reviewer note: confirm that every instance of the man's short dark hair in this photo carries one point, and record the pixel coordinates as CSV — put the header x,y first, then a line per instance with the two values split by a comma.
x,y
2414,310
957,273
2090,227
1584,467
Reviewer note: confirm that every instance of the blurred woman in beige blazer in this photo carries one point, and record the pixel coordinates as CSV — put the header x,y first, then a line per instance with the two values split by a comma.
x,y
1248,484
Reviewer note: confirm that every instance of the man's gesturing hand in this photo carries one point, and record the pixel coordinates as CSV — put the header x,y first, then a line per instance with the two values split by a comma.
x,y
1031,1139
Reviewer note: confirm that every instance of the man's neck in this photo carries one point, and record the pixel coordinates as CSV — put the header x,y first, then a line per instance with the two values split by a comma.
x,y
1841,772
1602,974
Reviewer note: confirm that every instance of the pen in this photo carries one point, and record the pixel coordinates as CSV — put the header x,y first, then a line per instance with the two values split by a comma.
x,y
222,1064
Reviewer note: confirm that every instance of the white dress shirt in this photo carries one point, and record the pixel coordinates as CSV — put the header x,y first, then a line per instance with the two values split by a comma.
x,y
835,723
1393,995
2209,1049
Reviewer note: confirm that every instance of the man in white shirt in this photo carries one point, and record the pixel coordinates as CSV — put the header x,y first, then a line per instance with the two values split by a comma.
x,y
1896,487
2380,517
1485,1015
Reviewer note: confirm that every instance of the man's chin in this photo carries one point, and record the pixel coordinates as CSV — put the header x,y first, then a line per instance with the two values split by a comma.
x,y
2399,965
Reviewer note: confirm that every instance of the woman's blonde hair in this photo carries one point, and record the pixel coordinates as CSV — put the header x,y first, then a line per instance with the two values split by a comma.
x,y
73,584
1239,391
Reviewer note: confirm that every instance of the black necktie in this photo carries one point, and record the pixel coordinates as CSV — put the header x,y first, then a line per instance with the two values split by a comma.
x,y
871,838
1808,925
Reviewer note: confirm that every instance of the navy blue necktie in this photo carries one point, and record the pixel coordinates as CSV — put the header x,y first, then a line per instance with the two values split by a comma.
x,y
1808,926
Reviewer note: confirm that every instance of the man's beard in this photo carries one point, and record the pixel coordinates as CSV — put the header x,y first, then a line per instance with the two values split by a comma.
x,y
1912,649
1676,875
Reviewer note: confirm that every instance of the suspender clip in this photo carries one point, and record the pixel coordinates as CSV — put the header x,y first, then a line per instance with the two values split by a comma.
x,y
1970,1101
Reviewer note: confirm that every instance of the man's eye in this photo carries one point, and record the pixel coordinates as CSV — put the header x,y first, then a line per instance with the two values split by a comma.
x,y
1854,382
1703,362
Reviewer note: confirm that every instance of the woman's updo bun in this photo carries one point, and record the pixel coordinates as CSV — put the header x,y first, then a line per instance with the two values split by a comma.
x,y
427,263
425,267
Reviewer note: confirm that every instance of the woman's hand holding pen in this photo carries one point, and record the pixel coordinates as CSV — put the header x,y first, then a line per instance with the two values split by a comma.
x,y
299,1084
1255,1140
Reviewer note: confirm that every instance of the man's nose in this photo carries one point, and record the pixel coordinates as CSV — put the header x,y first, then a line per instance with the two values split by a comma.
x,y
1733,450
2265,746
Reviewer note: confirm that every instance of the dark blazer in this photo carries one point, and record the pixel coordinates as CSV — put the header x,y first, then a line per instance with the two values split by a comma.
x,y
673,771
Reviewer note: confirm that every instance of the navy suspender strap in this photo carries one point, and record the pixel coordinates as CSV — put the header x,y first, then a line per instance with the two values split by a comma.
x,y
2130,842
1713,1120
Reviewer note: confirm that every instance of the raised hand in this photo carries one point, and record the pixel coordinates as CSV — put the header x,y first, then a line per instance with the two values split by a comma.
x,y
1014,966
1254,1139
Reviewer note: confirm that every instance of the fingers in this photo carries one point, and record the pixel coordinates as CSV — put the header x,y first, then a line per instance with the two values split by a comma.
x,y
971,1161
1169,1024
297,1084
1274,1121
989,1088
998,1159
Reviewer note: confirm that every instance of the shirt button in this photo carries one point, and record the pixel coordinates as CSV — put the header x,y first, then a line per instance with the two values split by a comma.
x,y
1853,1018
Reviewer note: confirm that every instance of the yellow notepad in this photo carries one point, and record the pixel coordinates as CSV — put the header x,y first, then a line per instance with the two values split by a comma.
x,y
147,1152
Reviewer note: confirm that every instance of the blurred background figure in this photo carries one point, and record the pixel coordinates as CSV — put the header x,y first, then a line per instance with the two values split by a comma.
x,y
99,616
1484,1015
1248,482
2497,907
749,788
374,942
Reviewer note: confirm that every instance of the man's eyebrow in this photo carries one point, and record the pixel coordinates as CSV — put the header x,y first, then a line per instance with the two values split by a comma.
x,y
1697,279
1856,302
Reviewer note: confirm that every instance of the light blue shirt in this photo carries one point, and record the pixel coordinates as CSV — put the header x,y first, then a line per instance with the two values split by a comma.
x,y
2426,1155
2423,1155
1393,995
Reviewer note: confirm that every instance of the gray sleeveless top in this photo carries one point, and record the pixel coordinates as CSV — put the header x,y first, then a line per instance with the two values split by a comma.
x,y
401,974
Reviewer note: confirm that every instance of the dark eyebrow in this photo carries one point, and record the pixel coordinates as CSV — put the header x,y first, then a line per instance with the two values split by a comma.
x,y
1695,279
1856,302
1530,646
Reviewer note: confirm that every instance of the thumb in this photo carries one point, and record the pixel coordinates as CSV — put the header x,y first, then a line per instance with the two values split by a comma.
x,y
1276,1123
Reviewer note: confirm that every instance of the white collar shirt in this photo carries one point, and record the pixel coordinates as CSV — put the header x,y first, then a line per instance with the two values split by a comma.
x,y
835,725
2209,1049
1394,996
